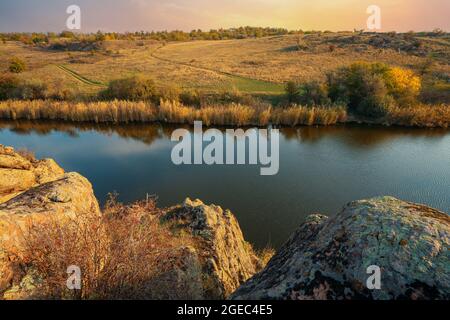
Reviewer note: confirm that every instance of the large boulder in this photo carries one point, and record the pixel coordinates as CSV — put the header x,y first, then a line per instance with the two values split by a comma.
x,y
224,258
19,173
328,258
70,197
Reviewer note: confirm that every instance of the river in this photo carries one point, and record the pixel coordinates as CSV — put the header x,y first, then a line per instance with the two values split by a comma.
x,y
321,169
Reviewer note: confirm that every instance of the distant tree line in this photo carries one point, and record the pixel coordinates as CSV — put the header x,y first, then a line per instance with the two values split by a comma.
x,y
176,35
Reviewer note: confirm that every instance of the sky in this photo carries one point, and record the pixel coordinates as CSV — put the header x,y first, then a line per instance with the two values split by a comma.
x,y
147,15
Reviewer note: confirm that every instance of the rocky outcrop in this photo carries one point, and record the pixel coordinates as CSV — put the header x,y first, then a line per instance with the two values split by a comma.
x,y
224,258
70,197
19,173
214,264
328,258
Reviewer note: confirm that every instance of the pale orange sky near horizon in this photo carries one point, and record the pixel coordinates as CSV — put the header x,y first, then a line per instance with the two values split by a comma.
x,y
135,15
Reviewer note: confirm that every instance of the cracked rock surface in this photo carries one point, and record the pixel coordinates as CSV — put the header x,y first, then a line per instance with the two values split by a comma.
x,y
327,258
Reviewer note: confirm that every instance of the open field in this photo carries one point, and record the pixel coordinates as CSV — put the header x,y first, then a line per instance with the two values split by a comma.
x,y
278,59
259,65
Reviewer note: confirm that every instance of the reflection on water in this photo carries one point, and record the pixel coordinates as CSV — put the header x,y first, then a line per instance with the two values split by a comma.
x,y
321,169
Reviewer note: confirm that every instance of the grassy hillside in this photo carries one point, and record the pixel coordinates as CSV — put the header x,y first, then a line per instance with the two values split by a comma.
x,y
259,65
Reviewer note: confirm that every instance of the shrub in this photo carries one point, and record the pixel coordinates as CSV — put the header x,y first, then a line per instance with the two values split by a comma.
x,y
134,88
292,92
17,65
167,92
403,85
61,93
191,98
12,87
375,106
30,90
370,89
8,84
124,254
233,95
313,93
140,88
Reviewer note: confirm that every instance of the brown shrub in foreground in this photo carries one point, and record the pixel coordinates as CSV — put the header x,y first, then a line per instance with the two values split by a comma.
x,y
121,255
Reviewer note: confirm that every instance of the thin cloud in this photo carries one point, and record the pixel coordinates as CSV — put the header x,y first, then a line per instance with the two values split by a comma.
x,y
136,15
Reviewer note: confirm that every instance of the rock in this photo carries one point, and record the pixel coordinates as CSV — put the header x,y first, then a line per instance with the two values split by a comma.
x,y
18,173
10,159
47,170
328,258
15,180
227,260
70,197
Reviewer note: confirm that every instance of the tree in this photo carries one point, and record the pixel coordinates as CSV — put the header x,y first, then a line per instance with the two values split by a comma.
x,y
292,91
8,84
371,88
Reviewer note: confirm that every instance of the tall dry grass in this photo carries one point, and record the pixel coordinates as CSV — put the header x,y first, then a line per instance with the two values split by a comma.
x,y
170,112
114,111
301,115
117,111
421,115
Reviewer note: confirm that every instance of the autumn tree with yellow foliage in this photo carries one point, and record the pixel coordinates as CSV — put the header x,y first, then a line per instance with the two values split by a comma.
x,y
371,89
403,85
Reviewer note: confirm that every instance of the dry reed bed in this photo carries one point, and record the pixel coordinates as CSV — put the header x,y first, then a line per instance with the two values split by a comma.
x,y
170,112
420,116
232,114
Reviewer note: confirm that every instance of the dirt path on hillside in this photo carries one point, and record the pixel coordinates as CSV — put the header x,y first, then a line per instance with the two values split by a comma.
x,y
251,81
79,77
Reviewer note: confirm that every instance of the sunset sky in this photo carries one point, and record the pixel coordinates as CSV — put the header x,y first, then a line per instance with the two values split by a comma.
x,y
136,15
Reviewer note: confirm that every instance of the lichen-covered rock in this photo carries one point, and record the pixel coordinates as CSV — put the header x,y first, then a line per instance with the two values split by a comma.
x,y
227,260
17,173
70,197
328,258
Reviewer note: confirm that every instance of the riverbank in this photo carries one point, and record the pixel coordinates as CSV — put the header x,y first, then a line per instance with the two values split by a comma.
x,y
220,115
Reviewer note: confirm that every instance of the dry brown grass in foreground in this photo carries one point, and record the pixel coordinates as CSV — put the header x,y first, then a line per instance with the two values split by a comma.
x,y
122,255
170,112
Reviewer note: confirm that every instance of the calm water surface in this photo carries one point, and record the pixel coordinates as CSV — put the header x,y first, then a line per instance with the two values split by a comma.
x,y
321,169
